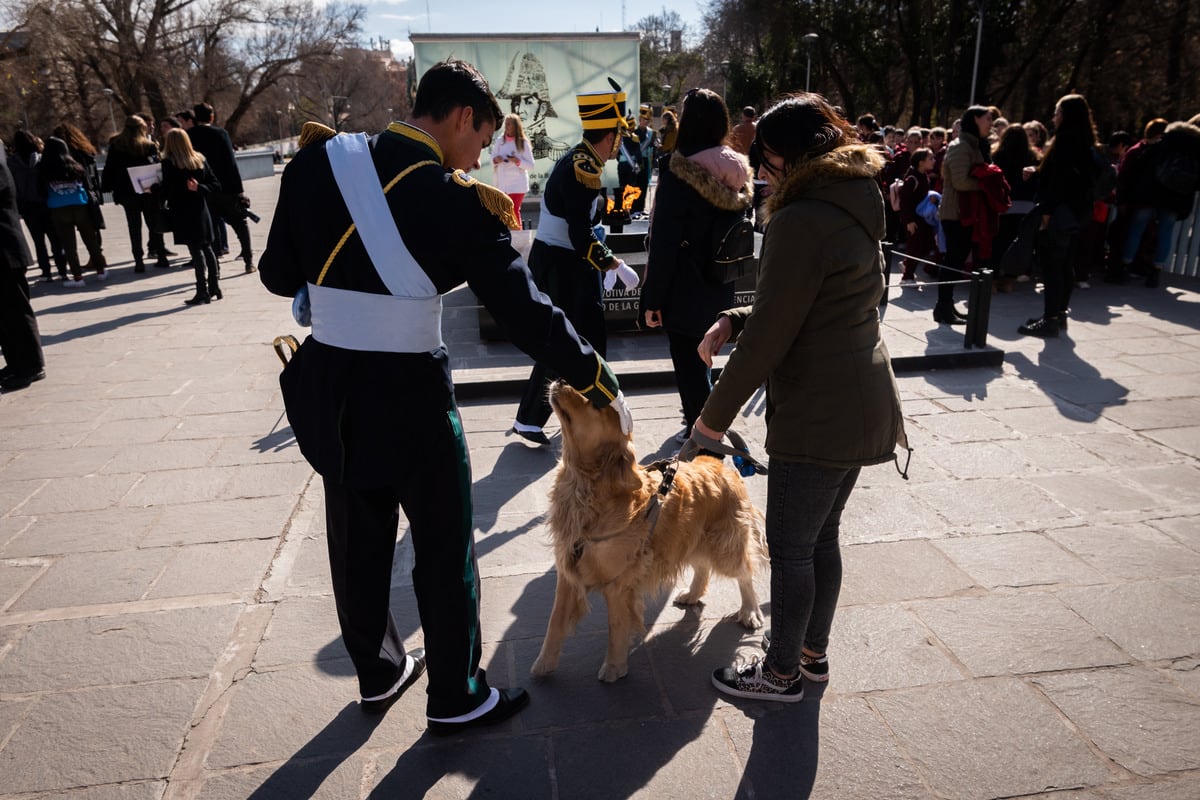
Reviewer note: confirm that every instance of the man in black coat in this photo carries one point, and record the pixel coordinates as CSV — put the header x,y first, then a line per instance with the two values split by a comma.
x,y
373,232
231,203
19,338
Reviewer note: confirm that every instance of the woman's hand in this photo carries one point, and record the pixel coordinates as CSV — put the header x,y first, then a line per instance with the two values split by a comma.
x,y
714,339
193,185
911,228
654,319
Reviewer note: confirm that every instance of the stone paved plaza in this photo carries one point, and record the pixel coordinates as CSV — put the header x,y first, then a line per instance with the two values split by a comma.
x,y
1021,619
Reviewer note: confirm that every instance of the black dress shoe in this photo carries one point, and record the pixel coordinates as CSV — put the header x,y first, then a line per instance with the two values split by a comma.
x,y
948,315
12,381
1044,328
382,704
199,299
537,437
509,703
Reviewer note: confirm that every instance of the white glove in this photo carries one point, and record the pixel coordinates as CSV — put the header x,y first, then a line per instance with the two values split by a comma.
x,y
302,308
623,413
627,276
610,280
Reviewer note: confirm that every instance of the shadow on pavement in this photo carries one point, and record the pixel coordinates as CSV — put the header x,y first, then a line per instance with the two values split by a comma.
x,y
302,775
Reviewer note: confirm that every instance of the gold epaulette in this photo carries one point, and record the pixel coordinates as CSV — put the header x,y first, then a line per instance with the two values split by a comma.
x,y
587,171
492,199
315,133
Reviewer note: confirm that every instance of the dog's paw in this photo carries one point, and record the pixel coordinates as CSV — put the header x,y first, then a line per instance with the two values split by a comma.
x,y
750,618
543,667
687,599
609,673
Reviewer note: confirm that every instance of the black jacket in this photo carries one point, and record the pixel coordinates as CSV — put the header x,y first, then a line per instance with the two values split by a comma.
x,y
351,411
14,251
686,206
115,178
187,211
217,148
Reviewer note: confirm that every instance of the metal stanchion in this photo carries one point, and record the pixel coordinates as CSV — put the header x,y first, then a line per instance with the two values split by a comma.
x,y
979,307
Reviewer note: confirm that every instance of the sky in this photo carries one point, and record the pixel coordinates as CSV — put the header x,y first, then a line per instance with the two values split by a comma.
x,y
395,19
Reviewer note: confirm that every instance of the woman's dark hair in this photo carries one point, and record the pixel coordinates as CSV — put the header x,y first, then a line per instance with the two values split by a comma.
x,y
669,121
56,163
703,123
1014,148
802,126
969,123
1075,135
919,155
452,84
25,143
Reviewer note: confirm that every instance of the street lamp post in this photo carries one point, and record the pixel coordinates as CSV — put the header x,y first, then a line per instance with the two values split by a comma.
x,y
978,42
809,40
108,94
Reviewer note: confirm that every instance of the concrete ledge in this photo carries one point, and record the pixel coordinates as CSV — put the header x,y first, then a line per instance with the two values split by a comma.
x,y
258,163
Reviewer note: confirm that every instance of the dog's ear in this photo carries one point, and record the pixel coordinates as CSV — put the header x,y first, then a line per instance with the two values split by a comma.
x,y
614,461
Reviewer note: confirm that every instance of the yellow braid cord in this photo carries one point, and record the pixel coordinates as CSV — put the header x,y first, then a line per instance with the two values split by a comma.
x,y
315,133
341,242
596,382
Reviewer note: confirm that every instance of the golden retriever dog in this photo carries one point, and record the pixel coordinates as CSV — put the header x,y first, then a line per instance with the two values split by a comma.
x,y
603,539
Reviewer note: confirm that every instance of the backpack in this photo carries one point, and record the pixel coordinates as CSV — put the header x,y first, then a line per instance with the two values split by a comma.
x,y
1177,171
894,193
730,249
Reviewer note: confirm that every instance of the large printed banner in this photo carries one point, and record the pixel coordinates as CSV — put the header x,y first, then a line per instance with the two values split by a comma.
x,y
538,76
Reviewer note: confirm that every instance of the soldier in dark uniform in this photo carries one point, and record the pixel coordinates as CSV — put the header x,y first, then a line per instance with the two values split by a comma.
x,y
374,232
566,258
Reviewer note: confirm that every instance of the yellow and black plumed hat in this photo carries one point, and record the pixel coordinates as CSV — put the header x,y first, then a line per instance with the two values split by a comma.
x,y
603,110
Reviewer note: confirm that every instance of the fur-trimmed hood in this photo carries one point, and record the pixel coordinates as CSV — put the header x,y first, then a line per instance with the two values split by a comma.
x,y
715,192
831,178
1184,129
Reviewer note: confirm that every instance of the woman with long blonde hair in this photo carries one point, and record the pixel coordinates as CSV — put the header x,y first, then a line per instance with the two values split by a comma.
x,y
187,180
512,158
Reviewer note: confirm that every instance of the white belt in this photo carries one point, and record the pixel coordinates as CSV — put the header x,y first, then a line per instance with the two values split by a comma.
x,y
375,322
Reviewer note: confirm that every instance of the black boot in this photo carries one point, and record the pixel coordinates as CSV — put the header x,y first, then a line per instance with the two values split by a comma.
x,y
947,314
214,291
139,265
162,262
1044,328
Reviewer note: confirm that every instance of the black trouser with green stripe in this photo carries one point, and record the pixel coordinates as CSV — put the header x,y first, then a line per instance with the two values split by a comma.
x,y
434,489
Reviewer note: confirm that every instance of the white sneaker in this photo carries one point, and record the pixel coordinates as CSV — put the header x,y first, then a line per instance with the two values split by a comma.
x,y
682,436
1022,279
101,276
74,284
1083,285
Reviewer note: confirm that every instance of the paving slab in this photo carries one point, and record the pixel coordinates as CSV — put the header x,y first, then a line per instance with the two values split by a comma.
x,y
1101,702
60,655
965,750
112,734
1150,620
1017,559
1016,634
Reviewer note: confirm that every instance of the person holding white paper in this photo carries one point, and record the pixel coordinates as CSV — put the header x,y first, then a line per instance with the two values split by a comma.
x,y
132,148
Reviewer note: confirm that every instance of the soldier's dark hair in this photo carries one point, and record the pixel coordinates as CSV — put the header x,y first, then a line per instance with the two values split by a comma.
x,y
594,137
203,113
453,84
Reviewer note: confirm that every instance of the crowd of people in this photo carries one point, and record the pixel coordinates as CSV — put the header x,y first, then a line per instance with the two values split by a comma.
x,y
1059,208
152,174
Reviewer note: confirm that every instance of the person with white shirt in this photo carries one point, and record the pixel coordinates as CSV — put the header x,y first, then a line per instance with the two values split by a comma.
x,y
512,158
